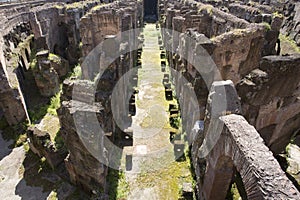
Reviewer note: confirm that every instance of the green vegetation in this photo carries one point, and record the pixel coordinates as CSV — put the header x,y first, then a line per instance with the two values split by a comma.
x,y
118,186
74,5
277,14
39,112
33,64
16,133
167,179
175,121
267,26
58,141
54,58
76,71
97,7
80,4
52,196
54,104
26,147
233,194
288,45
207,8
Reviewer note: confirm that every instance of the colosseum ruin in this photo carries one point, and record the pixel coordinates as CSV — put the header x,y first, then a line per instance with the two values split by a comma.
x,y
149,99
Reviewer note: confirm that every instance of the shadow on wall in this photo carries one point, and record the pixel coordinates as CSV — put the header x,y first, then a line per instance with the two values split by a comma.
x,y
39,180
5,147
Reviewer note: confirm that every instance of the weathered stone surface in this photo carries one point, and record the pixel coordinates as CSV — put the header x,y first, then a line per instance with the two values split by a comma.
x,y
45,76
240,145
269,97
10,101
84,169
238,52
42,141
293,160
291,26
59,64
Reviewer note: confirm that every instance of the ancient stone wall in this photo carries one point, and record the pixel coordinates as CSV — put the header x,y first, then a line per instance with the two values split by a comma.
x,y
92,96
241,146
292,16
28,29
15,51
228,143
84,169
269,100
269,96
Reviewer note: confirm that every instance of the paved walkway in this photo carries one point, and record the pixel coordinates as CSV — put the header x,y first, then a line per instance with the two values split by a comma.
x,y
151,176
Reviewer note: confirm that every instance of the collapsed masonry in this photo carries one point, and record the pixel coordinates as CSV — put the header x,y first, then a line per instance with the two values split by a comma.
x,y
240,37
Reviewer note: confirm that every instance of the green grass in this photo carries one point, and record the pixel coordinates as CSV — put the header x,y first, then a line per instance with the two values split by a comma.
x,y
118,186
277,14
80,4
168,180
39,112
52,196
54,104
77,71
33,64
233,193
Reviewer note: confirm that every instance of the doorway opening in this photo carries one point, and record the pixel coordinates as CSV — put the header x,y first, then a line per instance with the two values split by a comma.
x,y
150,11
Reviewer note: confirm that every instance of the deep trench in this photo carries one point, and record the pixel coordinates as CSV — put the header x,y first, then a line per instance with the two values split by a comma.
x,y
154,160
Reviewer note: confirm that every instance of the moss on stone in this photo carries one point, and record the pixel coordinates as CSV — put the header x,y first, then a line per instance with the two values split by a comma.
x,y
277,15
54,58
267,26
208,8
288,45
168,180
233,194
97,7
118,186
79,5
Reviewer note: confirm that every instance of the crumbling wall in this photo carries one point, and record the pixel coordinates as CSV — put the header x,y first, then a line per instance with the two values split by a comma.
x,y
241,146
15,51
85,169
92,96
228,142
291,25
269,96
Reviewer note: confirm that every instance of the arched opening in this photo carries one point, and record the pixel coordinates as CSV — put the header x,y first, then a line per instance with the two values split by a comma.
x,y
150,11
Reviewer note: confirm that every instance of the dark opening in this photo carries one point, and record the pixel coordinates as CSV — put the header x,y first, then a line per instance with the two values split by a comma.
x,y
27,55
62,40
23,65
150,10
